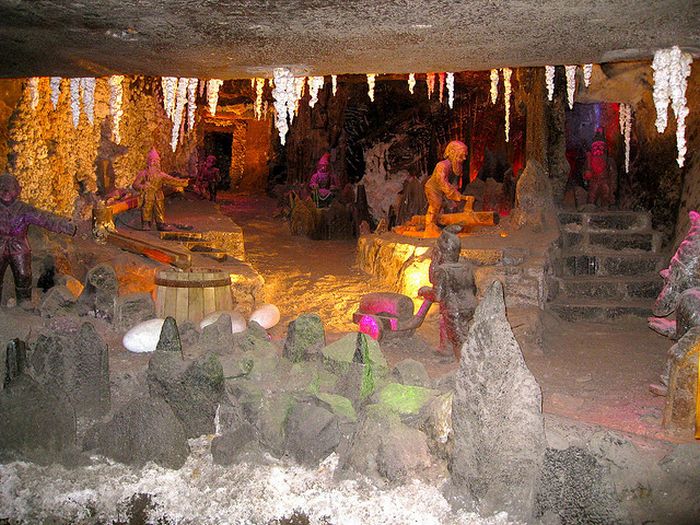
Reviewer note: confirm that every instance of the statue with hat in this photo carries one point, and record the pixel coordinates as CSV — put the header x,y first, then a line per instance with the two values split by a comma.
x,y
324,184
149,183
438,185
600,172
15,218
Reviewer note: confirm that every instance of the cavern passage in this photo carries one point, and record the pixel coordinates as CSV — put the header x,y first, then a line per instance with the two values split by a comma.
x,y
360,262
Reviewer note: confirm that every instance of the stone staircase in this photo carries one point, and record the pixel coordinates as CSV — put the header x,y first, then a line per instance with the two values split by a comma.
x,y
606,267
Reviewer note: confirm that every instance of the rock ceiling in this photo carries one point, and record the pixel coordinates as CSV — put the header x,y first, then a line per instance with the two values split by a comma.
x,y
246,38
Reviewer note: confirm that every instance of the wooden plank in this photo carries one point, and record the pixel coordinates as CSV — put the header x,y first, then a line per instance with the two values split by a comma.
x,y
472,218
196,309
160,300
196,297
170,301
183,294
153,251
209,300
223,298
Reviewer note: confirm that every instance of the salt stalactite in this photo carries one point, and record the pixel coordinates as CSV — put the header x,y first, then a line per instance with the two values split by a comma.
x,y
252,82
411,83
441,78
671,71
450,81
299,84
75,100
587,73
213,86
334,83
494,85
191,102
680,71
570,84
34,92
180,99
662,76
259,86
169,85
116,96
315,83
430,80
87,86
626,130
55,84
370,85
202,85
507,72
271,83
283,95
549,78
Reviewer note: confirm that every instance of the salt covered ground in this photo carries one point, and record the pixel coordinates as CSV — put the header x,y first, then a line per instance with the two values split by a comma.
x,y
204,493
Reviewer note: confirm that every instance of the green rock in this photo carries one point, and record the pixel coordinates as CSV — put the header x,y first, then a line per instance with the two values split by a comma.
x,y
342,352
357,350
411,372
305,337
264,363
326,381
406,399
247,394
272,419
339,405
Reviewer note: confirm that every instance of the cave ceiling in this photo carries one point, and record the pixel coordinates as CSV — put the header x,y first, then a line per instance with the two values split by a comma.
x,y
247,38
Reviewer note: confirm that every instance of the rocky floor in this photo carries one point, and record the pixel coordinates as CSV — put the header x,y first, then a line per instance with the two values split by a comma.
x,y
590,373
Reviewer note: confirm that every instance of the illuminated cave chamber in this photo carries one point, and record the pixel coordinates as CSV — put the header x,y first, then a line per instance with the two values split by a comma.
x,y
555,253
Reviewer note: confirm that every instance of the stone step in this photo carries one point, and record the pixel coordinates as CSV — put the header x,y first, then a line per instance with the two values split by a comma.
x,y
591,241
585,309
607,263
620,288
607,220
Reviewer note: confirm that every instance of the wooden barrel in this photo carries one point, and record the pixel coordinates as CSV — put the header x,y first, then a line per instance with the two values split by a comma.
x,y
193,294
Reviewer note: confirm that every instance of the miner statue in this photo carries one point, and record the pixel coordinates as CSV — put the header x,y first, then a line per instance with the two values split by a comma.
x,y
438,185
15,218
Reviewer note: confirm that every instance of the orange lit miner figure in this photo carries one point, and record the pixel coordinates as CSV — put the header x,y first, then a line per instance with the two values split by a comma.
x,y
438,185
149,183
15,218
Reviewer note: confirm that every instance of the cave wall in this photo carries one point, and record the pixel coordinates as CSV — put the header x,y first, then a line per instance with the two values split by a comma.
x,y
54,161
255,172
399,134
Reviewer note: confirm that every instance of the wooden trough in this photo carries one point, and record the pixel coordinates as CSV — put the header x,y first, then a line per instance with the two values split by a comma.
x,y
192,295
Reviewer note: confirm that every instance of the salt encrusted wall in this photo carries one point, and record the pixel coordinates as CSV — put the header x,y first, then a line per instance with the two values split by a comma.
x,y
238,152
55,161
10,91
257,139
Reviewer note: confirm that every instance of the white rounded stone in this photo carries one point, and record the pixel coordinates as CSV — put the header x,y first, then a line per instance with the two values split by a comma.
x,y
144,336
267,316
238,323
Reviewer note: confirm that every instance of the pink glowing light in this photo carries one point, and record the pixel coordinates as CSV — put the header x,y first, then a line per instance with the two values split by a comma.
x,y
369,325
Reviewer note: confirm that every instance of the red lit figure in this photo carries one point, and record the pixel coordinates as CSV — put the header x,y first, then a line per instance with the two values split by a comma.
x,y
600,173
323,182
